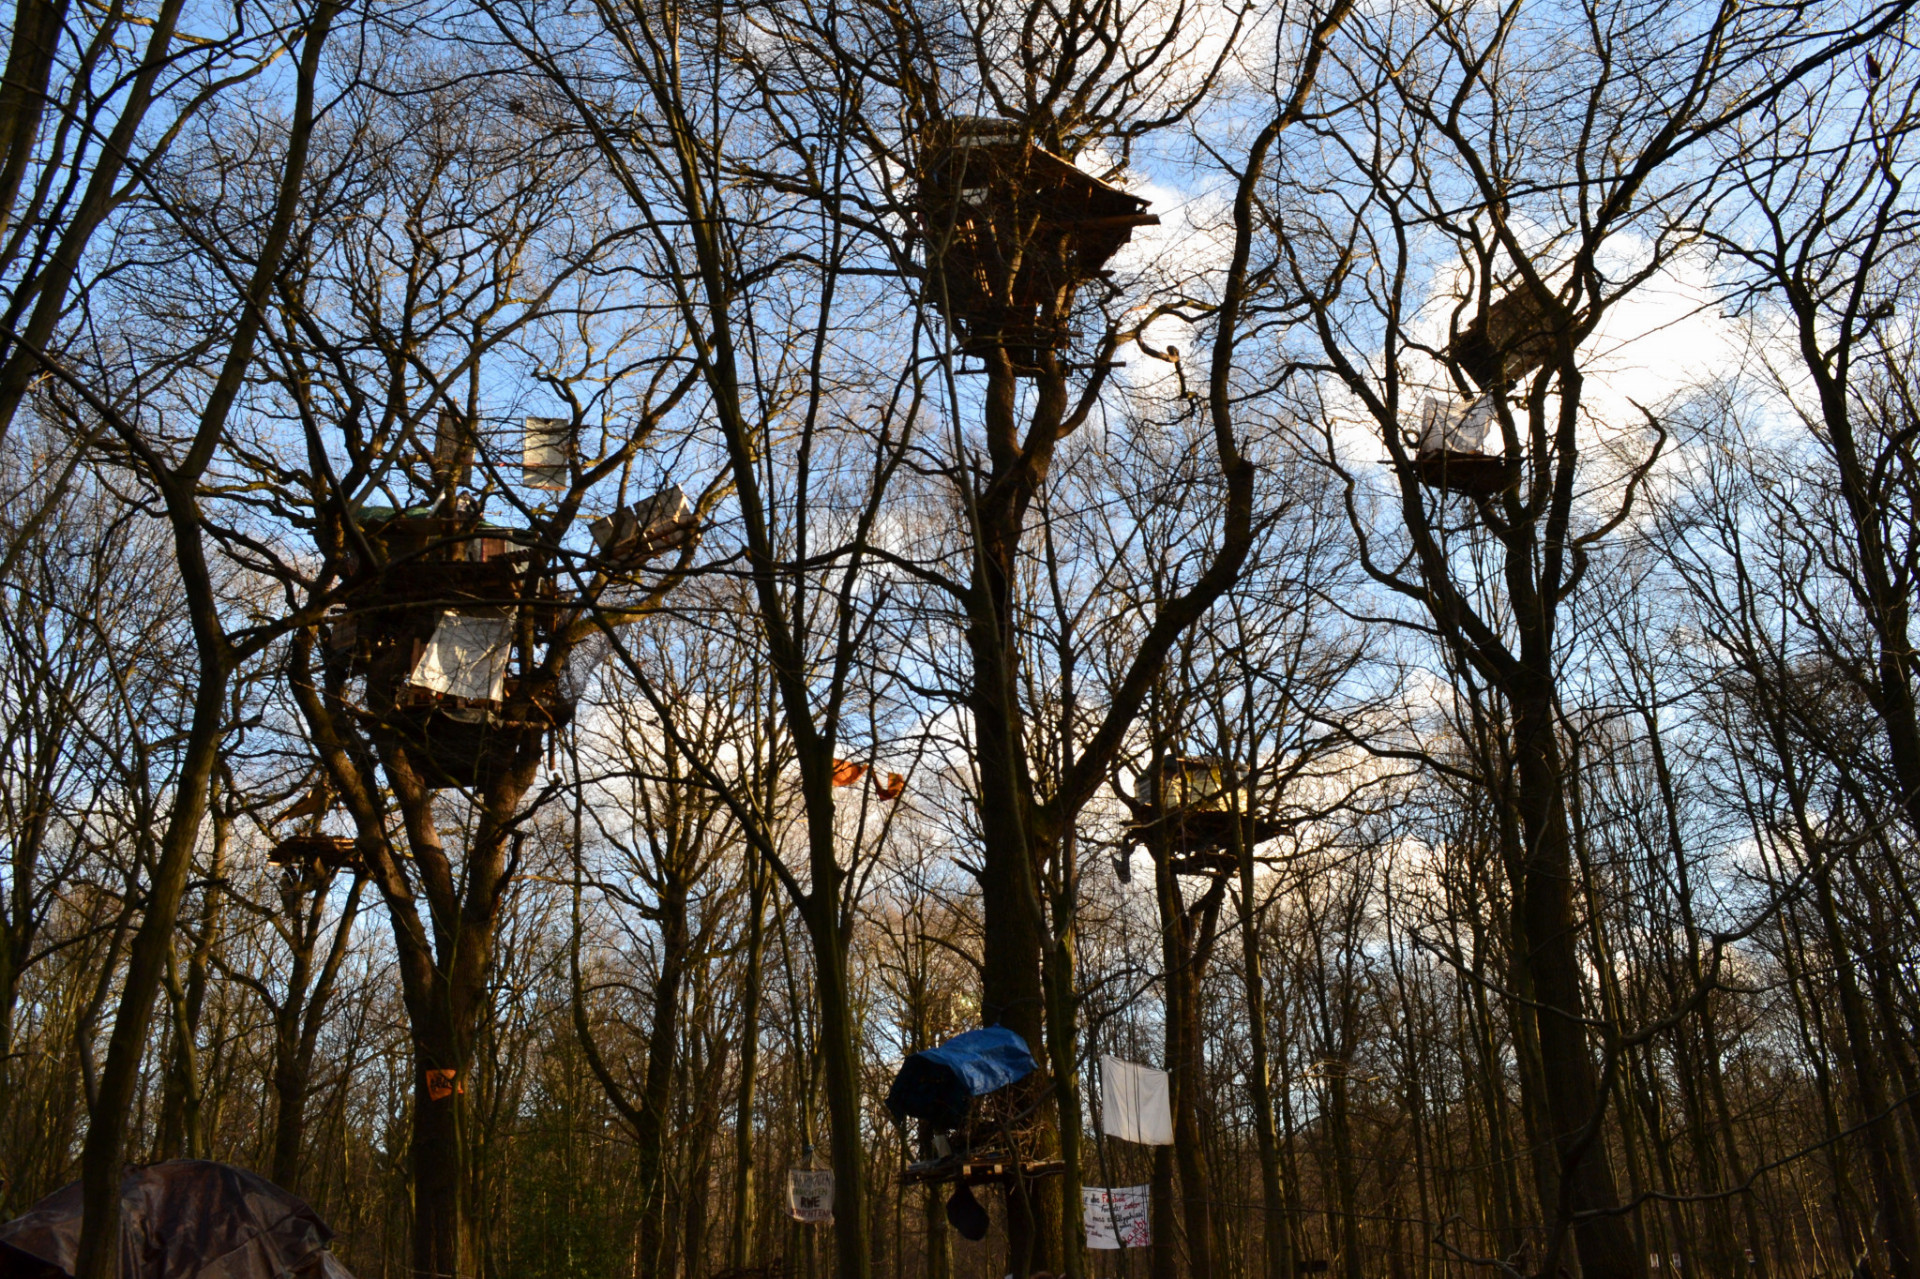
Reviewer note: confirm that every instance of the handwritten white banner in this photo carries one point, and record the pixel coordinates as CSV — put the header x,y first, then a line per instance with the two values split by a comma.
x,y
1118,1218
810,1195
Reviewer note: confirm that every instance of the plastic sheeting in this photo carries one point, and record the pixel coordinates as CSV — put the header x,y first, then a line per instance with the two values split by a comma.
x,y
1445,430
939,1084
183,1219
467,657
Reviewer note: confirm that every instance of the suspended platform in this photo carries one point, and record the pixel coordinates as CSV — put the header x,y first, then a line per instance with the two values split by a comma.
x,y
1459,471
980,1170
326,852
1195,804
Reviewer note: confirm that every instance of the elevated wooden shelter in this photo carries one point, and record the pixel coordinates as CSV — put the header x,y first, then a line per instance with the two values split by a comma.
x,y
1012,232
1197,805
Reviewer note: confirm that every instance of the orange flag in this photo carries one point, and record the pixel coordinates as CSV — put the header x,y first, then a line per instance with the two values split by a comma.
x,y
845,774
442,1084
895,787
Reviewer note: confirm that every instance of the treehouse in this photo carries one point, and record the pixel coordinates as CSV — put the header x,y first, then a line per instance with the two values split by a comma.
x,y
450,619
1449,450
324,853
1012,232
442,617
1513,337
1198,807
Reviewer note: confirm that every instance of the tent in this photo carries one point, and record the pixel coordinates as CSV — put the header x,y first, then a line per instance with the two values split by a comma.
x,y
939,1085
183,1219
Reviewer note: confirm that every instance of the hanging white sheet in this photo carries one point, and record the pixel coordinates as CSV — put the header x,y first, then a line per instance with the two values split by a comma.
x,y
1134,1104
810,1194
1121,1217
467,657
1444,429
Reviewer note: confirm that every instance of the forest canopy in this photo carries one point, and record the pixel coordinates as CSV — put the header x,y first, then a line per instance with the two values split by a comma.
x,y
581,583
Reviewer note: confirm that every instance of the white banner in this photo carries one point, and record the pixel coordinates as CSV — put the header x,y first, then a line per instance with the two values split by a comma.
x,y
810,1195
1118,1218
1133,1103
545,450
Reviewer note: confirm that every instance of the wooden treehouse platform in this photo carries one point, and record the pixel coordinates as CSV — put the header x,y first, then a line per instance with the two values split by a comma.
x,y
1012,233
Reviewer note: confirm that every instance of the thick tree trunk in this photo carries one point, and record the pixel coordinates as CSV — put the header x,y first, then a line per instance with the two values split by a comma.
x,y
1012,984
1548,929
444,1246
933,1212
840,1059
1165,1259
1063,1047
23,90
1183,956
1276,1235
104,1151
1346,1176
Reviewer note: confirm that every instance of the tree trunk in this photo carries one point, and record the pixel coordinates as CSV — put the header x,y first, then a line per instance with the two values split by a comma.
x,y
1165,1256
36,41
1877,1133
933,1210
109,1117
1183,951
741,1236
297,1034
183,1123
1276,1237
1346,1177
1012,993
1547,933
656,1091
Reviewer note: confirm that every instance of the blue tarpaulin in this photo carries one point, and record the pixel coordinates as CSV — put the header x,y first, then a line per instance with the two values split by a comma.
x,y
937,1085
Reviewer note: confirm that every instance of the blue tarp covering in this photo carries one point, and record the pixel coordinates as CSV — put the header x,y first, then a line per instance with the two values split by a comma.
x,y
937,1085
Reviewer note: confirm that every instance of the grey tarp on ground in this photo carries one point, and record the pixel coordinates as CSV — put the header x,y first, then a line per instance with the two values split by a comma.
x,y
183,1219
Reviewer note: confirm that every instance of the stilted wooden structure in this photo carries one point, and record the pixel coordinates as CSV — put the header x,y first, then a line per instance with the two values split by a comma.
x,y
994,1143
1509,341
1012,232
1195,803
442,620
448,618
328,853
1448,454
1496,349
